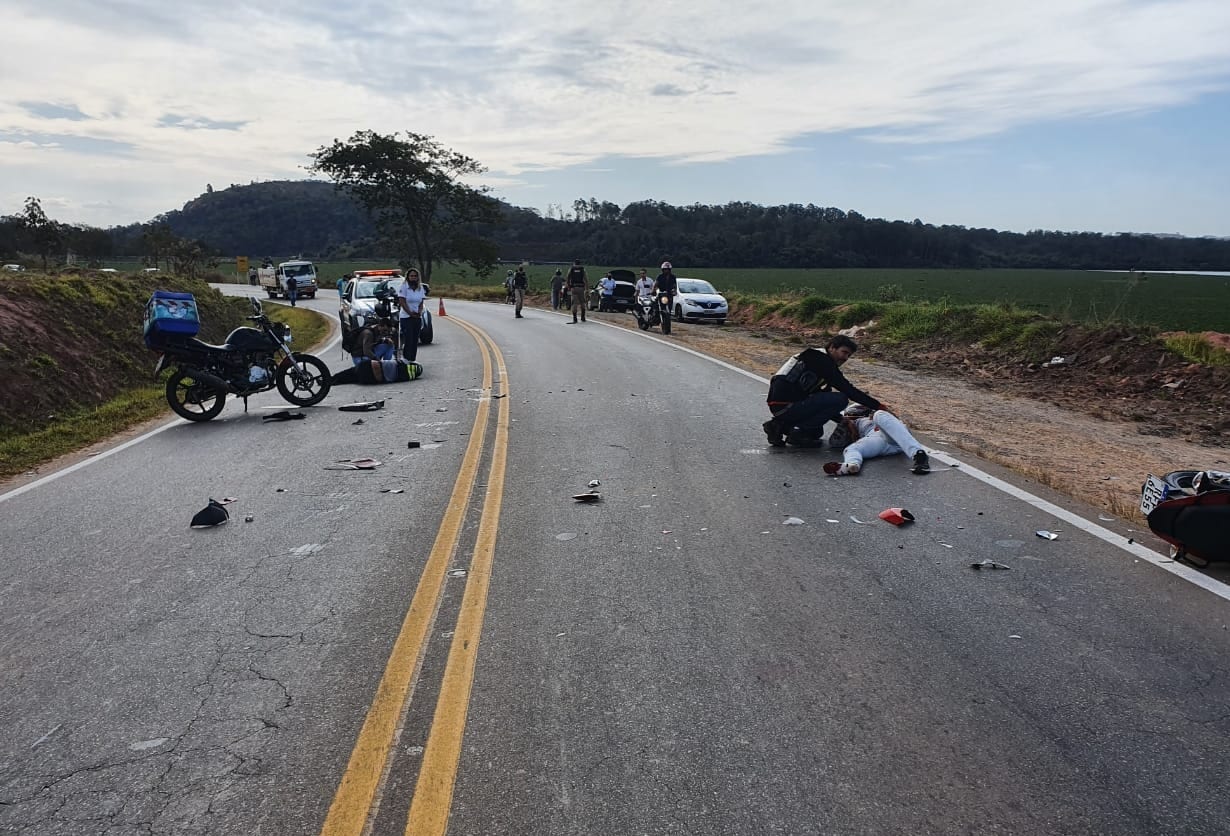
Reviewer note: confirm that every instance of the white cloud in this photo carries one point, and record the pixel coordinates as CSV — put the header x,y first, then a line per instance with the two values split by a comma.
x,y
526,86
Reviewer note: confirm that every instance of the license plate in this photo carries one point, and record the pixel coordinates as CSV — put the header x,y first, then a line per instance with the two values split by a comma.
x,y
1152,494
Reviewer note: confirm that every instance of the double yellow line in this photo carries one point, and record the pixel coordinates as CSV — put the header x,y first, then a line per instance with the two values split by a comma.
x,y
357,799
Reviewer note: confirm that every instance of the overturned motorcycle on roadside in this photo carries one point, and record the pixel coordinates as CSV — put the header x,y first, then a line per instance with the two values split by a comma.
x,y
653,311
252,360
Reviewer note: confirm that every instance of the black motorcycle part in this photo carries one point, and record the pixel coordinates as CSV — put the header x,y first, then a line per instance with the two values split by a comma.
x,y
190,397
250,339
305,382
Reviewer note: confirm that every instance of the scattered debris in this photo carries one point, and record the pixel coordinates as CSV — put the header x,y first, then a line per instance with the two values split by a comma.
x,y
284,415
1014,637
567,535
1047,535
392,490
793,521
857,520
354,464
896,516
1105,518
989,564
356,423
588,496
833,521
249,518
442,409
593,483
361,406
214,513
457,573
414,445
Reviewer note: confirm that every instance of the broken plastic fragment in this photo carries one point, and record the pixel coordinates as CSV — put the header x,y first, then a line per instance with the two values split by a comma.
x,y
362,406
588,496
1047,535
212,514
354,464
593,483
392,490
792,521
989,564
896,516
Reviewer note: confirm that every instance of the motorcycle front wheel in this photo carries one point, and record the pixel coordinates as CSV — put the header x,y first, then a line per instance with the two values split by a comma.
x,y
666,322
192,399
305,382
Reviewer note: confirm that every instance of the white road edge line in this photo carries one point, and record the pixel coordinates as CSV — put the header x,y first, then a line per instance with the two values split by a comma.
x,y
1144,553
51,477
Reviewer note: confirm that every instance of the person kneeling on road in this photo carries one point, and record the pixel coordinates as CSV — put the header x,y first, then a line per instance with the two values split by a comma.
x,y
374,342
867,435
808,391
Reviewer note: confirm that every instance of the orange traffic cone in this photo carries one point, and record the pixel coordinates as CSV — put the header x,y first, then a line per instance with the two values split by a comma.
x,y
442,313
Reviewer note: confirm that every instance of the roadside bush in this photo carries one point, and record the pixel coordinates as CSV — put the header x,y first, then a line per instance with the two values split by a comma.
x,y
810,306
1196,348
859,312
889,293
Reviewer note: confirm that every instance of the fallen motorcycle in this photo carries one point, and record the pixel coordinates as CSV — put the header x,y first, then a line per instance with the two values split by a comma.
x,y
253,359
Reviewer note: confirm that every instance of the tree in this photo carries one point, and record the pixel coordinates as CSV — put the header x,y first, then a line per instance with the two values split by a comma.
x,y
42,232
413,191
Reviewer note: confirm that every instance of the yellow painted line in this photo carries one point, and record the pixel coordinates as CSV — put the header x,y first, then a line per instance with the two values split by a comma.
x,y
433,796
357,798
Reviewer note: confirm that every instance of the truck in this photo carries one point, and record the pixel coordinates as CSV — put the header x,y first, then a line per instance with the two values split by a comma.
x,y
273,279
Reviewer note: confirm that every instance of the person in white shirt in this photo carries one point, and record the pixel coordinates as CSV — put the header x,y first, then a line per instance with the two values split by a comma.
x,y
410,297
644,285
606,286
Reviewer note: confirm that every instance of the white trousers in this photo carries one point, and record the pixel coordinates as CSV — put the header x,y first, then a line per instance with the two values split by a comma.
x,y
882,434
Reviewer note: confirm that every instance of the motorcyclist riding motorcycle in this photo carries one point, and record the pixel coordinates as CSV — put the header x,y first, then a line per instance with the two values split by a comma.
x,y
666,283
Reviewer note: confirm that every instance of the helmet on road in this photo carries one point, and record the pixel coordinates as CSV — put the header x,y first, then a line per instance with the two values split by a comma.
x,y
666,265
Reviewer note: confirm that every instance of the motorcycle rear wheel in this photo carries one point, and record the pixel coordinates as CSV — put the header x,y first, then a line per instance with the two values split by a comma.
x,y
192,399
306,382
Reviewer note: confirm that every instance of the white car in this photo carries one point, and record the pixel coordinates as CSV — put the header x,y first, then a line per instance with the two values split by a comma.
x,y
14,268
698,301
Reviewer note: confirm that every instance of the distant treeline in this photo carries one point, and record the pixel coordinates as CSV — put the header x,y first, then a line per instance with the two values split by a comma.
x,y
313,219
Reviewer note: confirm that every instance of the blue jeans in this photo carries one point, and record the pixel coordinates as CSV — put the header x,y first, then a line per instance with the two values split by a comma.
x,y
812,413
292,294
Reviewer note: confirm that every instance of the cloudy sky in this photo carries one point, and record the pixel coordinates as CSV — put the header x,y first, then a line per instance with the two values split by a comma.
x,y
1091,115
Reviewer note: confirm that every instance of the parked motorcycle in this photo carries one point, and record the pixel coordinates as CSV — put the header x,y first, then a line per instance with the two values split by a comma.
x,y
252,360
653,311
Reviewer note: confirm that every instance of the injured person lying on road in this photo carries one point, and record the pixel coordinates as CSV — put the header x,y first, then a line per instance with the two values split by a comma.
x,y
862,434
379,371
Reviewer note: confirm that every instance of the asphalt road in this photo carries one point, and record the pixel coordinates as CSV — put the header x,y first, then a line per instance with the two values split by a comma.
x,y
671,659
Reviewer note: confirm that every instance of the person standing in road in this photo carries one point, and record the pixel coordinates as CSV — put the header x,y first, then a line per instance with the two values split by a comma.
x,y
292,290
521,283
577,284
808,391
557,289
644,285
410,298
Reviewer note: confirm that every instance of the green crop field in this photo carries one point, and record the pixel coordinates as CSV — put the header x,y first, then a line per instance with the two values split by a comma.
x,y
1163,300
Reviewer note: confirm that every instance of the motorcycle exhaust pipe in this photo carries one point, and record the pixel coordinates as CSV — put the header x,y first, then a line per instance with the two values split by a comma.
x,y
209,380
